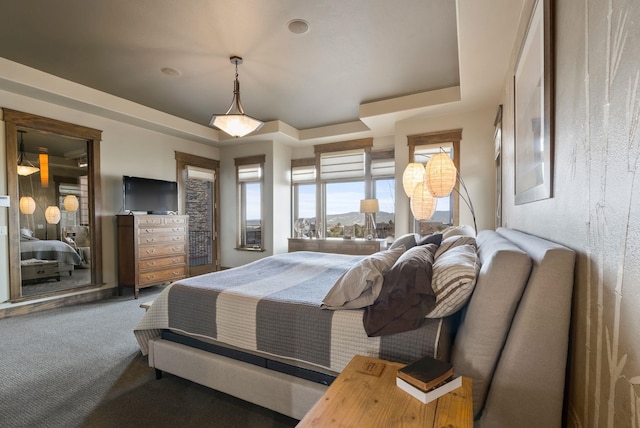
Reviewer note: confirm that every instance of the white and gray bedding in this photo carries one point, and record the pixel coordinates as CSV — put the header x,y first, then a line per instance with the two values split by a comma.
x,y
273,307
49,250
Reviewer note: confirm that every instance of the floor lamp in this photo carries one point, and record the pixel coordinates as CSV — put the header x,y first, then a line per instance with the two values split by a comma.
x,y
369,207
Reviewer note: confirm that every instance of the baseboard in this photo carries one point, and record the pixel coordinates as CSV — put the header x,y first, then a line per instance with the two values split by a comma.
x,y
58,302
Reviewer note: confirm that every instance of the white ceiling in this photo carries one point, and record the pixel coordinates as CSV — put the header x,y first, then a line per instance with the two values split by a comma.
x,y
361,60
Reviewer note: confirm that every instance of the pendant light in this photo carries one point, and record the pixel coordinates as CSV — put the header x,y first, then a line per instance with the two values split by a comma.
x,y
24,166
27,205
70,203
236,123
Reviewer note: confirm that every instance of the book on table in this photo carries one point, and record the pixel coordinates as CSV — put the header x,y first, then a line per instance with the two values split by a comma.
x,y
426,397
426,372
427,379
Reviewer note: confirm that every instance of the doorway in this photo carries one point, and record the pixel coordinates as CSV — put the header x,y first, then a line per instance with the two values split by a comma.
x,y
198,191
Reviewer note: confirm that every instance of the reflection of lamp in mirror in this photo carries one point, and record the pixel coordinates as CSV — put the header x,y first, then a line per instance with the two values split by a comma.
x,y
24,166
27,205
369,207
52,215
70,203
44,167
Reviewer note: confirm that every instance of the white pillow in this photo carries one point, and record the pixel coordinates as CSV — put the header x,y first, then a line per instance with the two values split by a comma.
x,y
407,240
361,284
454,278
454,241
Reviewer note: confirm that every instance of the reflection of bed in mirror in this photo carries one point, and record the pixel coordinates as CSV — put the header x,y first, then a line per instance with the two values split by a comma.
x,y
51,250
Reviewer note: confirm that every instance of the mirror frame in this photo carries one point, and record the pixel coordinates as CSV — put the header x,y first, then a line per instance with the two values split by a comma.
x,y
14,121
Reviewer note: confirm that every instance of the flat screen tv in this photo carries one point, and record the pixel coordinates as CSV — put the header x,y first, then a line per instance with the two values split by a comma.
x,y
149,195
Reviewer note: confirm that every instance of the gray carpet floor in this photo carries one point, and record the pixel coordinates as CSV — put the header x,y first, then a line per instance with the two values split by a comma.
x,y
81,367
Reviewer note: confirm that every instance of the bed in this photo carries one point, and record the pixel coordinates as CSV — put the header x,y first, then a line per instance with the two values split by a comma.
x,y
268,316
39,249
511,339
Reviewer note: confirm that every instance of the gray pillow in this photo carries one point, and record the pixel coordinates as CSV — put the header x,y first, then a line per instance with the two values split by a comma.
x,y
408,241
361,284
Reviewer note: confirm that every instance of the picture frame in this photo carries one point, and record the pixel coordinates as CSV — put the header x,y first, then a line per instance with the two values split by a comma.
x,y
533,108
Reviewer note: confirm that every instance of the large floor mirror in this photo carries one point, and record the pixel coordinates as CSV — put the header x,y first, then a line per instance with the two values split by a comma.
x,y
53,178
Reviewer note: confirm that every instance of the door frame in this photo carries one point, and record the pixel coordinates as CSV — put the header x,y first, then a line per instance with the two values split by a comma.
x,y
183,160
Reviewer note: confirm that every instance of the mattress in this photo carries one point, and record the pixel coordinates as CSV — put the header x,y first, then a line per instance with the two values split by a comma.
x,y
271,307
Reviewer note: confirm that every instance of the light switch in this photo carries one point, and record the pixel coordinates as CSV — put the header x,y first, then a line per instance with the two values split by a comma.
x,y
3,230
4,201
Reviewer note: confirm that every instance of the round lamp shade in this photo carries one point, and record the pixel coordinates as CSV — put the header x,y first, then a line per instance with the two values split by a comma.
x,y
369,206
440,175
27,205
70,203
52,214
423,204
412,175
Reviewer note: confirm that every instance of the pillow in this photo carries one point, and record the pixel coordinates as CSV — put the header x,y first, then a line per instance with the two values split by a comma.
x,y
434,238
406,295
464,230
454,276
409,240
361,284
455,241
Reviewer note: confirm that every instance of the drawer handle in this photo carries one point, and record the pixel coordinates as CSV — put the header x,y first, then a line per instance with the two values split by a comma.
x,y
151,264
176,272
151,276
40,272
174,249
176,238
176,260
149,230
151,239
151,250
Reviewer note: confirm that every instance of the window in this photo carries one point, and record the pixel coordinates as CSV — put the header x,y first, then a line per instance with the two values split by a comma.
x,y
421,148
249,172
348,173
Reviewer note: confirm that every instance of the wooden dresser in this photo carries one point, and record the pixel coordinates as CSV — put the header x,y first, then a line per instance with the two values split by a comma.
x,y
152,250
341,246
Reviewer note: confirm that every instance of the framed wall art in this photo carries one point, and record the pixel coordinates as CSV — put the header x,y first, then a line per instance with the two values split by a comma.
x,y
533,108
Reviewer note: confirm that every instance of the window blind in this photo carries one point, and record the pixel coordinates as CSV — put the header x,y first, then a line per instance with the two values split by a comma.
x,y
303,174
204,174
383,167
248,173
341,165
423,153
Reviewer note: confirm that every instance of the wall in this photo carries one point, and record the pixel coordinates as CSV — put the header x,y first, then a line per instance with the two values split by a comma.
x,y
595,208
125,150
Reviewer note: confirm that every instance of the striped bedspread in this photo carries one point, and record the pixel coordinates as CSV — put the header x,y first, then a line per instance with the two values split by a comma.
x,y
272,306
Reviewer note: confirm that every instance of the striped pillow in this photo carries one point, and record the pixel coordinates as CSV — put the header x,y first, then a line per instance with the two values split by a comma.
x,y
454,277
454,241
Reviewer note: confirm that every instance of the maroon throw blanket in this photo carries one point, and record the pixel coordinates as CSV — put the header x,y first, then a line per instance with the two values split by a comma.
x,y
406,295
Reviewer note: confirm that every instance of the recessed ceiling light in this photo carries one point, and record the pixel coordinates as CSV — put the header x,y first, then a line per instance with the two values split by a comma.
x,y
298,26
170,71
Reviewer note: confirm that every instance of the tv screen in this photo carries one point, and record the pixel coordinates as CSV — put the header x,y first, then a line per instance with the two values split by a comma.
x,y
149,195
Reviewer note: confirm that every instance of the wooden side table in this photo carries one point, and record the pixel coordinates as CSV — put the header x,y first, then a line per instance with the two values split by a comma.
x,y
365,395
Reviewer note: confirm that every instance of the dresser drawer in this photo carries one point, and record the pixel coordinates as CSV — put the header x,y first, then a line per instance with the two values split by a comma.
x,y
162,275
162,230
160,239
152,264
148,220
161,250
173,220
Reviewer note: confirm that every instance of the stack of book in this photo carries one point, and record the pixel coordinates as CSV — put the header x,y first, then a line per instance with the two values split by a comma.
x,y
428,379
